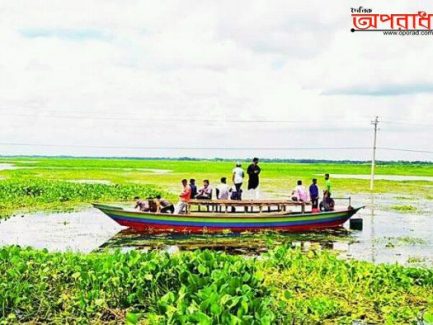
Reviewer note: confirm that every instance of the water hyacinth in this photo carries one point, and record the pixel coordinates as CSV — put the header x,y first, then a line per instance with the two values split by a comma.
x,y
39,194
286,286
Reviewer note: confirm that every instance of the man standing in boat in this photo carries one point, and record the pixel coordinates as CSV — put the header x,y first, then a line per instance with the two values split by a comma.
x,y
185,196
314,195
253,180
237,178
328,185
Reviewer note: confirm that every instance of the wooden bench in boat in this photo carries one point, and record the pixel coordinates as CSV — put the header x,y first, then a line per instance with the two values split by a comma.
x,y
249,205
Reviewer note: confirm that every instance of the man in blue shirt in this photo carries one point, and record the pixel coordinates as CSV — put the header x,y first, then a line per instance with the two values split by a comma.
x,y
193,188
314,195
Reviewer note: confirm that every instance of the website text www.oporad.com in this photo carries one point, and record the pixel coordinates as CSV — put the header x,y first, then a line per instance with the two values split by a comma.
x,y
408,32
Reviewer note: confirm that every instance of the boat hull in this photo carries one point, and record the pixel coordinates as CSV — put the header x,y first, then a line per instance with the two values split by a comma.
x,y
220,222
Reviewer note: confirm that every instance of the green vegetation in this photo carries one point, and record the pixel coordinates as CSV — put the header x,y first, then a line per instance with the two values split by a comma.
x,y
285,286
318,287
277,179
38,194
400,241
282,286
404,208
416,260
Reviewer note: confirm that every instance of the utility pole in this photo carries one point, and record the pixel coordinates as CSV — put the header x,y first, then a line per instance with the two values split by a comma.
x,y
373,160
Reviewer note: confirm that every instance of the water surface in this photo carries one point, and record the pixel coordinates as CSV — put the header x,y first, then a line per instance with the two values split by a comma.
x,y
387,237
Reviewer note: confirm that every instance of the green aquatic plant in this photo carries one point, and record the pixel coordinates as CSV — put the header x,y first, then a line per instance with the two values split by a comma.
x,y
206,287
38,194
404,208
400,241
317,287
203,287
416,259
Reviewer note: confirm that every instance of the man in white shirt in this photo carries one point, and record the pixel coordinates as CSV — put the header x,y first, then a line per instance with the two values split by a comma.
x,y
238,177
222,190
205,193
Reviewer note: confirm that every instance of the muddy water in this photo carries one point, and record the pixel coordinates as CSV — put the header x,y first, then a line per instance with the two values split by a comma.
x,y
387,236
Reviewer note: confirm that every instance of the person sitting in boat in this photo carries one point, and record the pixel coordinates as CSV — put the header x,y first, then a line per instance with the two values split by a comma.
x,y
205,193
327,203
193,187
185,196
300,193
222,190
141,205
153,205
164,206
235,194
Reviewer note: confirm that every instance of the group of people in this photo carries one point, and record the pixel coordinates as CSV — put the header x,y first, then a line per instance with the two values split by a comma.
x,y
157,204
234,192
223,190
301,194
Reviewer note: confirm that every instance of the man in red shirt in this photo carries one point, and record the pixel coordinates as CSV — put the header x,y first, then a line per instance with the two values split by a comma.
x,y
185,196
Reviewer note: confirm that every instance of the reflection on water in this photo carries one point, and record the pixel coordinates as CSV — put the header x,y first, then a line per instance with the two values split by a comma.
x,y
387,236
244,244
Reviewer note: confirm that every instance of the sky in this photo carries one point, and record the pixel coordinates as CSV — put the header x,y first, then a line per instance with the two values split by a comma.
x,y
232,79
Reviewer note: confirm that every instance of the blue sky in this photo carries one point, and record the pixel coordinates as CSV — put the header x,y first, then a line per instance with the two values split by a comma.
x,y
126,77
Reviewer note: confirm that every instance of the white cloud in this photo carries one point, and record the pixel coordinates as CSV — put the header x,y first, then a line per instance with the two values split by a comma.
x,y
214,62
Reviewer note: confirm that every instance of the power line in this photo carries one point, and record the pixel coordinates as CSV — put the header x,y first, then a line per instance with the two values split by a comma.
x,y
190,120
203,120
181,147
406,123
208,148
405,150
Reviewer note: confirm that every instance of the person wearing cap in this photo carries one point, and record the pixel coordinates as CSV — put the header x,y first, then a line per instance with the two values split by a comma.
x,y
253,180
238,178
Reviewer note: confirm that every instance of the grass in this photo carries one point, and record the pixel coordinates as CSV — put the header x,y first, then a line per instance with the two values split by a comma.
x,y
277,179
404,208
400,241
206,287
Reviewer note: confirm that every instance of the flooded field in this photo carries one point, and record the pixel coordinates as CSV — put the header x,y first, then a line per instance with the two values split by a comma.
x,y
6,166
388,236
399,178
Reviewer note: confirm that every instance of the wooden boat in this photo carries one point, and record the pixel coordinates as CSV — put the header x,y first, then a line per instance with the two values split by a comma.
x,y
219,217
